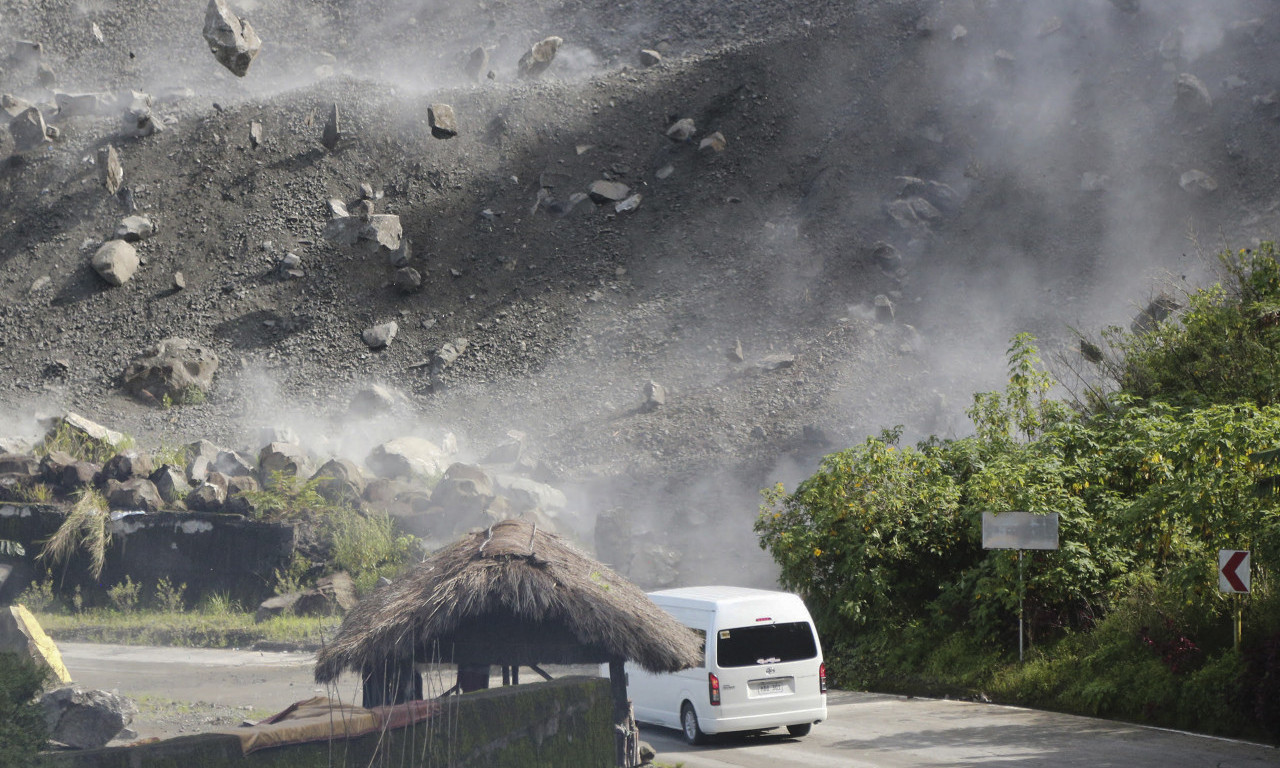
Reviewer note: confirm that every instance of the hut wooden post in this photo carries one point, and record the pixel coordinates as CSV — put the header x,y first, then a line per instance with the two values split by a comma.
x,y
621,710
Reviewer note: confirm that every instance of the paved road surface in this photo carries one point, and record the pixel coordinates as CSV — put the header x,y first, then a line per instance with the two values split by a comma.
x,y
863,730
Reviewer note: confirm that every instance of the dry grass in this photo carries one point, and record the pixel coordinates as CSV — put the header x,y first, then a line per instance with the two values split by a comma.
x,y
88,526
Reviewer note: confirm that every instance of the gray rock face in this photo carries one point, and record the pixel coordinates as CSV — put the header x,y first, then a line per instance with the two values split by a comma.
x,y
132,229
110,172
232,41
86,719
602,191
379,336
175,367
444,124
537,59
407,457
115,261
1191,95
29,131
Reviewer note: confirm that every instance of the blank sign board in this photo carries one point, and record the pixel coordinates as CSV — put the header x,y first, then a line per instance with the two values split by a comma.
x,y
1019,530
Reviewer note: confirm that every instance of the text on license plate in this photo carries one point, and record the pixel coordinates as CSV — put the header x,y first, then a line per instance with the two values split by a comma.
x,y
771,687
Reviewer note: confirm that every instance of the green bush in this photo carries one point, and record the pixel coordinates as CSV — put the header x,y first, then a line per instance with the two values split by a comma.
x,y
22,726
124,596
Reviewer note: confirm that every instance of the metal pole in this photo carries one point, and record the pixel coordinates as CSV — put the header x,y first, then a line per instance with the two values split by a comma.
x,y
1021,597
1239,623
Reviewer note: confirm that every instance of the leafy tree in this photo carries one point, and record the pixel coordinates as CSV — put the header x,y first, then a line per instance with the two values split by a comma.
x,y
22,726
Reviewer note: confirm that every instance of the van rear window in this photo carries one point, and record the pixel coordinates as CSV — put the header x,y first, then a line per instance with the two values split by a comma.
x,y
765,644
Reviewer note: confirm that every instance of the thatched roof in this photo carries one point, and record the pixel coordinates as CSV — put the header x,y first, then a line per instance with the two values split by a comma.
x,y
510,595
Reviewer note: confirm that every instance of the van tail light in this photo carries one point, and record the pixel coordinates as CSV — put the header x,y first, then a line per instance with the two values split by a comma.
x,y
822,677
713,685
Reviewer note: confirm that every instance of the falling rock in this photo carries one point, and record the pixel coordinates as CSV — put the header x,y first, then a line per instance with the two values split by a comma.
x,y
649,57
12,105
255,134
1157,310
127,465
654,566
29,131
886,257
115,261
536,60
85,719
444,124
83,430
407,280
232,41
884,309
655,396
1198,182
509,451
179,281
337,209
131,229
682,129
379,336
1191,95
714,142
26,52
735,352
383,229
630,204
234,464
477,63
407,457
110,172
525,494
209,494
775,362
374,399
138,120
290,265
399,257
448,352
602,191
82,104
332,131
175,368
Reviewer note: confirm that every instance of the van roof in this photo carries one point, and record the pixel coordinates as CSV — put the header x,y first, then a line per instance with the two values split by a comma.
x,y
693,596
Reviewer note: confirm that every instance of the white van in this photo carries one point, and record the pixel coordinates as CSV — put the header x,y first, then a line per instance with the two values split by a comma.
x,y
763,666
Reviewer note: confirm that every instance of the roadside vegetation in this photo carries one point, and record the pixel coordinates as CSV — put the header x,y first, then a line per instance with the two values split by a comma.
x,y
1155,467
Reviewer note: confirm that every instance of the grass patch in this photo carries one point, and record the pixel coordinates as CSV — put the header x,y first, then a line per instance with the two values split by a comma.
x,y
196,629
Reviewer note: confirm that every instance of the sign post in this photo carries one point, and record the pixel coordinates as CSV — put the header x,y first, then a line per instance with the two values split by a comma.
x,y
1020,531
1234,578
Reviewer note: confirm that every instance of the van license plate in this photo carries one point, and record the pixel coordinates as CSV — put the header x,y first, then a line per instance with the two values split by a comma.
x,y
774,687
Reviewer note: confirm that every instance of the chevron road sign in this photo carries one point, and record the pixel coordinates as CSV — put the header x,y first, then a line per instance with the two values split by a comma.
x,y
1233,570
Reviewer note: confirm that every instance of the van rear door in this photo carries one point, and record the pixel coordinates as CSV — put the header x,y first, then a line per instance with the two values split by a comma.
x,y
768,669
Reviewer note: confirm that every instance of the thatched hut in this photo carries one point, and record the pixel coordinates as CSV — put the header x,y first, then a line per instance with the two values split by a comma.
x,y
513,596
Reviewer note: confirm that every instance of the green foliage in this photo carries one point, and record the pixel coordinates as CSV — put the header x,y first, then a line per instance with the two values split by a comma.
x,y
88,527
218,624
219,604
33,493
1222,349
39,596
288,498
188,395
169,598
68,440
1125,618
124,596
366,546
295,576
22,727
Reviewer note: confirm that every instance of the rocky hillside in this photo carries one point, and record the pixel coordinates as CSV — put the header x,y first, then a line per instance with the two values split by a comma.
x,y
680,275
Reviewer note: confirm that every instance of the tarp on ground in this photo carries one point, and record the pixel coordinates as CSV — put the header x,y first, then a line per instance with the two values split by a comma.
x,y
322,719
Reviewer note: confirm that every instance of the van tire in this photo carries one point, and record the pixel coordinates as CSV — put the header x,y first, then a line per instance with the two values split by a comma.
x,y
689,724
800,730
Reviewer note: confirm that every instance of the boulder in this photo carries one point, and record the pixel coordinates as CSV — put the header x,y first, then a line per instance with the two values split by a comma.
x,y
126,466
82,104
175,368
232,41
138,493
86,719
1156,311
477,63
715,142
602,191
444,124
1198,182
378,231
239,488
210,495
682,129
649,57
379,336
110,172
537,59
464,490
82,431
407,280
20,633
138,120
255,134
234,464
340,481
883,309
332,130
447,354
29,131
132,229
654,566
1191,95
525,494
509,451
374,399
331,595
115,261
407,457
170,483
655,396
285,460
23,464
13,105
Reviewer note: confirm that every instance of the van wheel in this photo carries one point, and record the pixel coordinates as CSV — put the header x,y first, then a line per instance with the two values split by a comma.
x,y
800,730
689,722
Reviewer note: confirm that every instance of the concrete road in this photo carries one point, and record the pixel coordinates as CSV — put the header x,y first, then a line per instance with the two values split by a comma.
x,y
863,730
866,730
